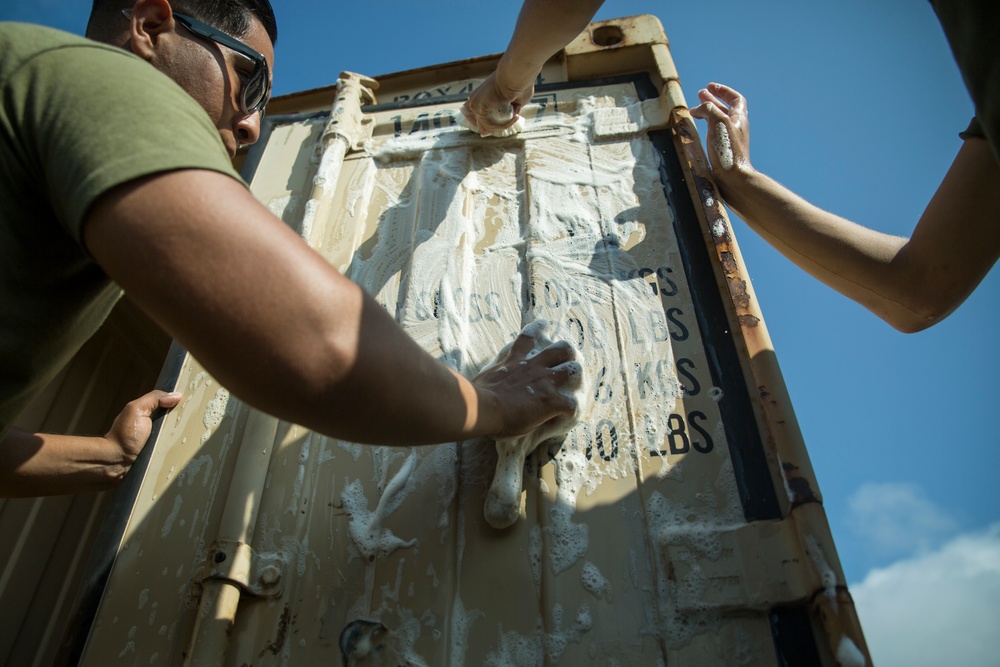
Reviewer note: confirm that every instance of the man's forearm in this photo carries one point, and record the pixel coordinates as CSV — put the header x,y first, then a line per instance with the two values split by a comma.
x,y
378,401
910,283
281,328
858,262
543,28
35,464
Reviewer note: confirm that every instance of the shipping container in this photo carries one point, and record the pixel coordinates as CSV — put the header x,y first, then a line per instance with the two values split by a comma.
x,y
679,523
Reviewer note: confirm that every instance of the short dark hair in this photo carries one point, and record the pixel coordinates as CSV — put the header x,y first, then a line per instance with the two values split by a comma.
x,y
229,16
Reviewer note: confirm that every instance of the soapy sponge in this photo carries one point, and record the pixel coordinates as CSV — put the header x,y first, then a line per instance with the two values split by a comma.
x,y
503,500
500,114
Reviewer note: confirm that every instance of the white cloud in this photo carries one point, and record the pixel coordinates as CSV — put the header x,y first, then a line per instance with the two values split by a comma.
x,y
936,608
896,519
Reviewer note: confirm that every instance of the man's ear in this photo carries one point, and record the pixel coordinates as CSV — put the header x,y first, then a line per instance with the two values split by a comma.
x,y
151,19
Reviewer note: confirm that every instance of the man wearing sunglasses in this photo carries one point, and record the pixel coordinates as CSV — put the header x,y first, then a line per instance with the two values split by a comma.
x,y
115,177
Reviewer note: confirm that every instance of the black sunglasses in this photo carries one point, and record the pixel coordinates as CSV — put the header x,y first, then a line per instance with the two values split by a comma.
x,y
256,88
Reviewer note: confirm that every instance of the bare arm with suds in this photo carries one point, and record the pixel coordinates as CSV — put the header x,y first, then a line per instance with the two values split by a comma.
x,y
910,283
543,28
280,327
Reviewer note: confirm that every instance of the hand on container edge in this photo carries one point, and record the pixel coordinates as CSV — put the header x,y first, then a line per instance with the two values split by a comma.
x,y
728,138
133,425
532,390
490,95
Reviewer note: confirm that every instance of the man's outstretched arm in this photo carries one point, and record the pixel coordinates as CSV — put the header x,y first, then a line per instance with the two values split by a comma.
x,y
286,332
910,283
543,28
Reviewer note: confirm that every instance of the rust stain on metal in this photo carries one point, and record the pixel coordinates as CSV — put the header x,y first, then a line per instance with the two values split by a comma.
x,y
798,485
707,194
729,265
706,185
279,640
684,132
738,290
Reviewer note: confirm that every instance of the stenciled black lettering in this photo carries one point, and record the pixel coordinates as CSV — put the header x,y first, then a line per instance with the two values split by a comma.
x,y
492,307
682,332
636,334
677,437
645,273
643,379
598,333
691,387
553,294
669,287
693,418
475,312
574,325
458,303
397,126
658,326
602,389
421,311
607,424
422,122
445,114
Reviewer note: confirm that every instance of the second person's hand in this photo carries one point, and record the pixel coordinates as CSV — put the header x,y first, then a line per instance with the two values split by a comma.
x,y
487,105
728,137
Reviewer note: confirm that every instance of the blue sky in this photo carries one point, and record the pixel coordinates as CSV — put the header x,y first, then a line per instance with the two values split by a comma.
x,y
857,107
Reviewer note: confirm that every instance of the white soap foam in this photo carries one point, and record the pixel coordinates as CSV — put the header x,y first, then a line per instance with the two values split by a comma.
x,y
215,411
723,146
718,229
168,524
692,536
540,647
594,582
365,526
568,541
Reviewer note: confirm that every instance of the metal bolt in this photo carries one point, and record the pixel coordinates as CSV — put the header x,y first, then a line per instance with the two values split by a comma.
x,y
270,575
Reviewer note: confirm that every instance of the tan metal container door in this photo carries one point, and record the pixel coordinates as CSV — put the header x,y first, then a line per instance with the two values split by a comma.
x,y
678,524
48,542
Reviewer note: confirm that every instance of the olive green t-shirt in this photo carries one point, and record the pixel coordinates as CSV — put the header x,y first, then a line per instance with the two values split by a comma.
x,y
77,118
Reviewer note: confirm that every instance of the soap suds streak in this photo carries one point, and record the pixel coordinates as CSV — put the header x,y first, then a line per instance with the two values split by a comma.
x,y
723,146
367,533
541,647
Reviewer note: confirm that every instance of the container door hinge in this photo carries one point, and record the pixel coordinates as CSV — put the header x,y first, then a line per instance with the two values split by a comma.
x,y
347,120
259,575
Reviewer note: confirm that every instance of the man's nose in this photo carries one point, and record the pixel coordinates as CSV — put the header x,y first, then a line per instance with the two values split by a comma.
x,y
247,129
